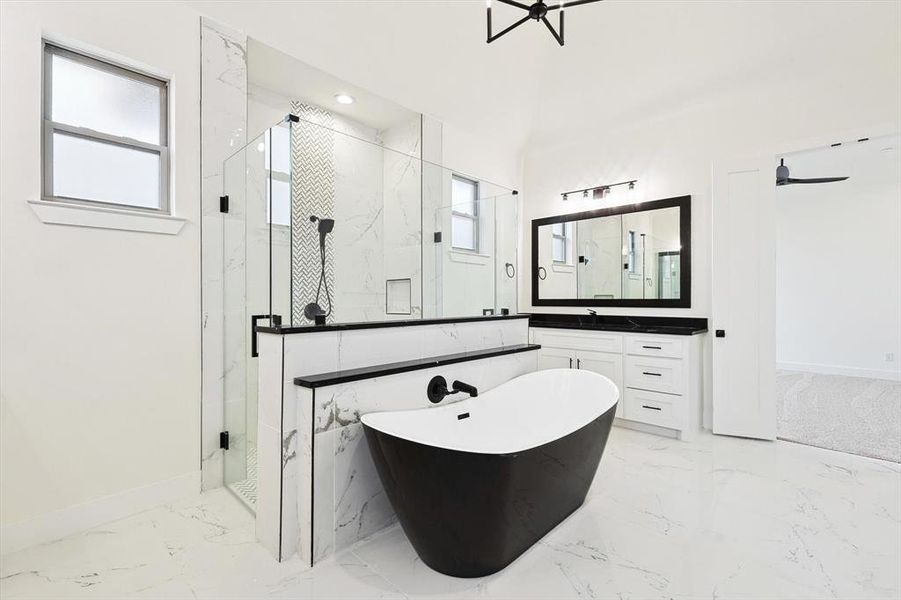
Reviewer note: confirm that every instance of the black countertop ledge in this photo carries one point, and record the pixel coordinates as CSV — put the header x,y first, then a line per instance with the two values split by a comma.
x,y
348,375
382,324
587,322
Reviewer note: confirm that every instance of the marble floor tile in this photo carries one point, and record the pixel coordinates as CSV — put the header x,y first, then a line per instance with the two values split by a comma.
x,y
715,518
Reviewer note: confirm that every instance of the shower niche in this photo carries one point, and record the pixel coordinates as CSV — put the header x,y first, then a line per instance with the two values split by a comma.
x,y
326,220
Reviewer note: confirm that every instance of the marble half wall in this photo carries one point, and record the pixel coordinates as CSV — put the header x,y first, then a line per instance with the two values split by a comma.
x,y
294,426
222,116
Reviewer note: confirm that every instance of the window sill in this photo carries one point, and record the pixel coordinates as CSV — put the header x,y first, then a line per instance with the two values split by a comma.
x,y
60,213
472,258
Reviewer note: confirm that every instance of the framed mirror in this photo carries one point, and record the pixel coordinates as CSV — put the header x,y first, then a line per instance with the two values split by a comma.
x,y
630,255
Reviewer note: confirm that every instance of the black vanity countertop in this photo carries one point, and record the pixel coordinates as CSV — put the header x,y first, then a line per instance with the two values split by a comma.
x,y
382,324
348,375
664,325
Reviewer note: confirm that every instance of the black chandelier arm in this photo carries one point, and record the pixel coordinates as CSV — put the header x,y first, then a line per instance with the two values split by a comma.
x,y
491,38
525,7
557,36
569,4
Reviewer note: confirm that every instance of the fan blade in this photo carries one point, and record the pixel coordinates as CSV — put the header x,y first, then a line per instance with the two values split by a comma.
x,y
814,180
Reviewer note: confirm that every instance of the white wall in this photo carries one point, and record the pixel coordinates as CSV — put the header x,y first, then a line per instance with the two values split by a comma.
x,y
838,267
672,154
100,344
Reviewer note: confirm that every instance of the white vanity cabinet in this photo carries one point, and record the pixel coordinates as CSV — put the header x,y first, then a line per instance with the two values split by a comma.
x,y
658,375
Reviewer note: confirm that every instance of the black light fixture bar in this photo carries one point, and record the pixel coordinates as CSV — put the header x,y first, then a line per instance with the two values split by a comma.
x,y
538,12
603,188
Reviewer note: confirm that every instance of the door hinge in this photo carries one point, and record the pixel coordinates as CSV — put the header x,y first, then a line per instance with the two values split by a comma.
x,y
223,440
437,237
223,204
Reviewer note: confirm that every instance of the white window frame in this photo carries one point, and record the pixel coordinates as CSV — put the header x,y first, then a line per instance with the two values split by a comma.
x,y
567,244
475,217
50,127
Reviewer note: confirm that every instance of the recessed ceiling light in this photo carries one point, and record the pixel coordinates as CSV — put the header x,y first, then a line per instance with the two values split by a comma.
x,y
344,98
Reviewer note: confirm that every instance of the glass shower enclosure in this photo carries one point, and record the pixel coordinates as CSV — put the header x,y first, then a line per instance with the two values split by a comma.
x,y
357,225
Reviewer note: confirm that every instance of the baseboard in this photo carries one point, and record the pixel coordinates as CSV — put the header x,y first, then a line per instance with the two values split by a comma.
x,y
60,523
839,370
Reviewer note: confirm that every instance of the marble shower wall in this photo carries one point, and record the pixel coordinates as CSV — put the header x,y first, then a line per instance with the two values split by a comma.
x,y
369,182
223,117
402,201
288,415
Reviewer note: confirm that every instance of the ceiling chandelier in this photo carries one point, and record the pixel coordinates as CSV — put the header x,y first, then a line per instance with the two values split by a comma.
x,y
537,12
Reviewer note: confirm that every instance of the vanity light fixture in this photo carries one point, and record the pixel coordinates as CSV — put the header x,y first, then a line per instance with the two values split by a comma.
x,y
600,191
344,99
536,12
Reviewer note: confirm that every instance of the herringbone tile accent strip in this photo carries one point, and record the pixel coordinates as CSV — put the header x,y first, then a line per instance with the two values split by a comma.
x,y
312,193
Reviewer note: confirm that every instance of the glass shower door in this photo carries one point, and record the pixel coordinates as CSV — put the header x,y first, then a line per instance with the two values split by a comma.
x,y
234,368
256,282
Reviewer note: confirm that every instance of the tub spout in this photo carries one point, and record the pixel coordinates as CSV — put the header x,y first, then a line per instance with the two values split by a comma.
x,y
459,386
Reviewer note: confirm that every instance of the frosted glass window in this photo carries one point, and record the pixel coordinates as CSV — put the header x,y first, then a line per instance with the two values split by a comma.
x,y
560,234
91,170
464,232
86,96
464,195
279,210
464,213
105,133
278,145
559,250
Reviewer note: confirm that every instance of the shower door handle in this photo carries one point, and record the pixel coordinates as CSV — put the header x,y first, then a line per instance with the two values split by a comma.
x,y
274,321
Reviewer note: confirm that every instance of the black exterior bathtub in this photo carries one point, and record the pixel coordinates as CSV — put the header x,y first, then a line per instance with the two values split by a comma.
x,y
471,512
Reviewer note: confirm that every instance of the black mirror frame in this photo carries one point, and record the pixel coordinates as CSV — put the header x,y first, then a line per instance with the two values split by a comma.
x,y
684,300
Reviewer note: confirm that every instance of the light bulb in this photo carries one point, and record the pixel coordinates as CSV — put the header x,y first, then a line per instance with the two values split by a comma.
x,y
344,98
261,146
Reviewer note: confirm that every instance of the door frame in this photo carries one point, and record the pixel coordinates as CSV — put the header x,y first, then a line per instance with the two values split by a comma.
x,y
775,150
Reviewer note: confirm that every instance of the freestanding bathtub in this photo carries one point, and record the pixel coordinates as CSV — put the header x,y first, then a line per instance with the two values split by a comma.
x,y
477,482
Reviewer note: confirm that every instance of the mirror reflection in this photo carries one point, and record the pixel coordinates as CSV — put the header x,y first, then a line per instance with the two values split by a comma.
x,y
636,255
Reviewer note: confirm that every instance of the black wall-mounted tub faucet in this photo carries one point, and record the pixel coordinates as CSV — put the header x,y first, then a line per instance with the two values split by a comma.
x,y
437,389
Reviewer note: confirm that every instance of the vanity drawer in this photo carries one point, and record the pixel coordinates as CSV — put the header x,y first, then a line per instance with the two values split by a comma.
x,y
655,374
597,341
653,408
649,345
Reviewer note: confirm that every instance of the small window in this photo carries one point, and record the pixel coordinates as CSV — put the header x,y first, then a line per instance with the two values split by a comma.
x,y
560,233
277,146
465,214
105,133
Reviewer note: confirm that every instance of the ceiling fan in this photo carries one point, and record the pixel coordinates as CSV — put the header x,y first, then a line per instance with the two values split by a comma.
x,y
782,177
537,12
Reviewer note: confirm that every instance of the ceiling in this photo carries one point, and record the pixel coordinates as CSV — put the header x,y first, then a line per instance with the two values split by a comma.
x,y
287,76
623,60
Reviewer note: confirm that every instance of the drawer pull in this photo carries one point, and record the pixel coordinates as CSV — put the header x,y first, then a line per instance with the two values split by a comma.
x,y
651,407
652,347
654,374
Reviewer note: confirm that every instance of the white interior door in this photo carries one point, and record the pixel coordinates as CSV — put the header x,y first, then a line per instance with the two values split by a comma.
x,y
744,298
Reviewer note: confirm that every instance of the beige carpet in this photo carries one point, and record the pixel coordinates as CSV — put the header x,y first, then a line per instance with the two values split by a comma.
x,y
850,414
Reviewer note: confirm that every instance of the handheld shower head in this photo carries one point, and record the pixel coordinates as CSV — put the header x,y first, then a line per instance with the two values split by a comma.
x,y
325,225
